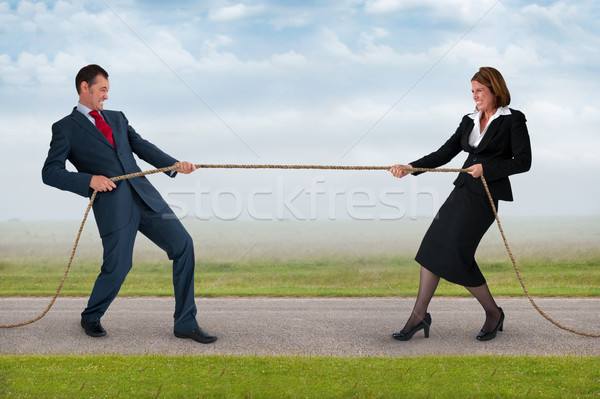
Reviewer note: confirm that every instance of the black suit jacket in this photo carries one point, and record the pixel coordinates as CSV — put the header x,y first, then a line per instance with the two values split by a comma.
x,y
504,150
76,139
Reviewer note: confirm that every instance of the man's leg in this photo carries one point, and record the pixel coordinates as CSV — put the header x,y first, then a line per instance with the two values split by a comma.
x,y
117,260
166,231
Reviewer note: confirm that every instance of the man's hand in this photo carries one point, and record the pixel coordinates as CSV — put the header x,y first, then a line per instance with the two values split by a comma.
x,y
102,183
185,167
398,172
476,170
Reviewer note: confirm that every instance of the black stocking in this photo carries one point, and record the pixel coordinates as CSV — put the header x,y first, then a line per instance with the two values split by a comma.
x,y
492,312
428,283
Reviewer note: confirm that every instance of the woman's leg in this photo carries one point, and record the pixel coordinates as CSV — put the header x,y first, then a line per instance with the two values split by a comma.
x,y
492,311
428,283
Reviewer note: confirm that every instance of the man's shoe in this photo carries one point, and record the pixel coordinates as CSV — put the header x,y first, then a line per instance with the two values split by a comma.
x,y
198,335
93,328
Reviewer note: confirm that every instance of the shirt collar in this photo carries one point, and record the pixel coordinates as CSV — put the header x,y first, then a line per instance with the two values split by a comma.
x,y
83,109
499,112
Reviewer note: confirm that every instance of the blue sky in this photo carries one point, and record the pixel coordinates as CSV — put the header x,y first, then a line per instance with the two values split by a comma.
x,y
342,82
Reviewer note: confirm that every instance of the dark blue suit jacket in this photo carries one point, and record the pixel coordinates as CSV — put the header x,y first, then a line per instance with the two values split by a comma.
x,y
76,139
503,151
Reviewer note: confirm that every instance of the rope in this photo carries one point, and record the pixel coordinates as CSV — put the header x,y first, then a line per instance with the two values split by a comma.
x,y
87,211
512,259
331,167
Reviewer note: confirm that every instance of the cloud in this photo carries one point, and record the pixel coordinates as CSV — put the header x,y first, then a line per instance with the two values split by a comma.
x,y
382,6
298,19
450,8
232,13
32,70
289,59
366,50
557,14
559,130
332,45
300,82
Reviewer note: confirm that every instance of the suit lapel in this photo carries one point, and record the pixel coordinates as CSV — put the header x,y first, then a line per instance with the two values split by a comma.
x,y
89,127
492,129
465,137
113,122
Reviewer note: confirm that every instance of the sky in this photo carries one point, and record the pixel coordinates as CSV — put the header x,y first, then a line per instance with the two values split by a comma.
x,y
349,82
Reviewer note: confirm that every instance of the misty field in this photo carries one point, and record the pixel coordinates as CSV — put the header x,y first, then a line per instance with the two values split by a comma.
x,y
343,258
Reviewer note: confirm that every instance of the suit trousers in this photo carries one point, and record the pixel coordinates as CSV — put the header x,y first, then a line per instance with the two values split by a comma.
x,y
165,230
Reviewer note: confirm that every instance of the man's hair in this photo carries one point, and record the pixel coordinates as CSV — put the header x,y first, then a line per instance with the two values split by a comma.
x,y
493,79
88,74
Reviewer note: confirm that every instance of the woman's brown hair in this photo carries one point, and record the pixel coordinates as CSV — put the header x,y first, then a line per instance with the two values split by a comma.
x,y
493,79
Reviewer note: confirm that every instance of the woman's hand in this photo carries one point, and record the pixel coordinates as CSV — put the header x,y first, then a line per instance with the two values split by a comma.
x,y
397,170
476,170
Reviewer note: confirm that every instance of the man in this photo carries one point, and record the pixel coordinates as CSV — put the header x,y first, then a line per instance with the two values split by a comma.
x,y
102,143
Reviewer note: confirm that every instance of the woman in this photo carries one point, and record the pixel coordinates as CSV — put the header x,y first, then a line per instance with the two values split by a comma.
x,y
497,142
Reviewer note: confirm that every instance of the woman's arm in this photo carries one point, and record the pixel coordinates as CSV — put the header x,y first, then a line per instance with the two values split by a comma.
x,y
447,151
520,149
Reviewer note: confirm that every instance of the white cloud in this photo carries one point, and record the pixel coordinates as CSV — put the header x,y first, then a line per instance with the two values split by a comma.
x,y
385,6
302,83
590,115
171,50
296,20
468,10
33,69
331,44
558,132
375,33
232,13
556,14
27,9
289,59
552,113
366,50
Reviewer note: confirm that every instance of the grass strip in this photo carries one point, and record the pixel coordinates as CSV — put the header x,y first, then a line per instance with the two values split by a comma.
x,y
112,376
371,276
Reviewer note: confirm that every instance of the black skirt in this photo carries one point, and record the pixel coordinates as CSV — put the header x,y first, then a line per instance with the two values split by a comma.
x,y
448,248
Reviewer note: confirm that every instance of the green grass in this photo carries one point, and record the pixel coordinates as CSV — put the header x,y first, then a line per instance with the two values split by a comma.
x,y
337,276
306,377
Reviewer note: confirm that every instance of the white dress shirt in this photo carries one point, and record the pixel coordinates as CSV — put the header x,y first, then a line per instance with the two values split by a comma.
x,y
86,112
475,136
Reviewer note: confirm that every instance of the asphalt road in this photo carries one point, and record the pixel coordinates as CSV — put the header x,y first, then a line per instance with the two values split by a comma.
x,y
304,326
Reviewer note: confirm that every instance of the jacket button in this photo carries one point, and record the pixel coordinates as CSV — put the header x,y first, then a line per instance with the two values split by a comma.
x,y
475,159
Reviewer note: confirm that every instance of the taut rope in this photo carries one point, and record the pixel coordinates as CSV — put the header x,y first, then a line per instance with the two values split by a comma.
x,y
333,167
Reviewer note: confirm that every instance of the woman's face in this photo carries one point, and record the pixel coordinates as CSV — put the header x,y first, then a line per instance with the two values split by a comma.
x,y
484,98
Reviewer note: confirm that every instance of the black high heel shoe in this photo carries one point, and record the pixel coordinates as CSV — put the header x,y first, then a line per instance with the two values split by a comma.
x,y
486,336
423,325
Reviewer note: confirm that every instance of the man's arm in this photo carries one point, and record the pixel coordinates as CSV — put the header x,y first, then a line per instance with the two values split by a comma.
x,y
148,151
54,172
154,155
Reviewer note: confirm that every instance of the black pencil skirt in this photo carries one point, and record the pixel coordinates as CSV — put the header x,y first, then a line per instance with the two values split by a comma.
x,y
448,248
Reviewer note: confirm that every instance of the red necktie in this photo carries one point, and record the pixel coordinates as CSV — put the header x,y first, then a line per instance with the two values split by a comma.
x,y
103,127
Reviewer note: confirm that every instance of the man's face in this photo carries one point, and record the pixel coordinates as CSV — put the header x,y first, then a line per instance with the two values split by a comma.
x,y
94,96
